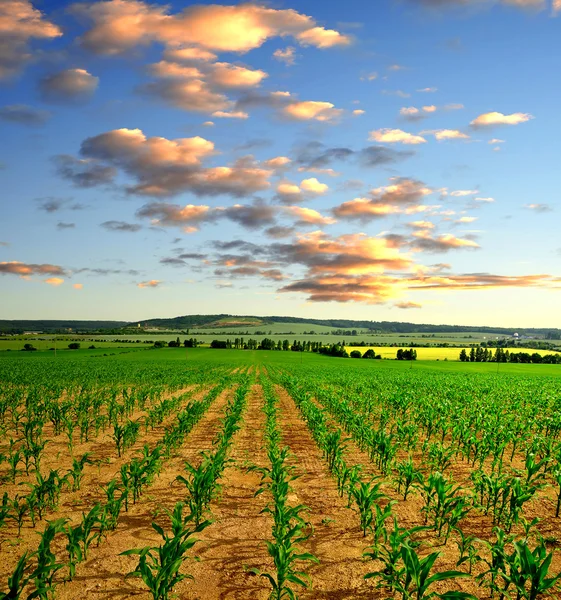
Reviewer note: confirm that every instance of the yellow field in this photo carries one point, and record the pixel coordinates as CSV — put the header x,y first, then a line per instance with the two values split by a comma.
x,y
436,353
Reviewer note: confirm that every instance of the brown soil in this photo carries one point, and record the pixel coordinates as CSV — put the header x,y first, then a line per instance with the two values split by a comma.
x,y
133,529
234,543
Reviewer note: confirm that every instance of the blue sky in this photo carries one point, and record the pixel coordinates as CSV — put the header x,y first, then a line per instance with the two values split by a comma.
x,y
394,160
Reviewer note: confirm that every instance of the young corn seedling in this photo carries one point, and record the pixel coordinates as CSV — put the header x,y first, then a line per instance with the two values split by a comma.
x,y
77,471
5,508
19,579
112,507
74,536
347,478
417,579
529,571
200,484
14,459
379,530
47,565
158,567
285,554
334,448
366,494
467,549
88,530
497,571
407,477
389,554
18,508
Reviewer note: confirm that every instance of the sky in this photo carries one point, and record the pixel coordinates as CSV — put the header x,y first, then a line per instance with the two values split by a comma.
x,y
395,160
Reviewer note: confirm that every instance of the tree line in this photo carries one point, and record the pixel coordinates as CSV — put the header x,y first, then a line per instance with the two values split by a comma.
x,y
500,355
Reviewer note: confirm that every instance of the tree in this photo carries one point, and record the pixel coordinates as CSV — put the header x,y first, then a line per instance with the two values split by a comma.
x,y
369,354
74,346
356,354
29,348
463,355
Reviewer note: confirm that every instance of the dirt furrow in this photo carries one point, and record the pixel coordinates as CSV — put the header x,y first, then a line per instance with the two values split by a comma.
x,y
234,542
134,528
337,539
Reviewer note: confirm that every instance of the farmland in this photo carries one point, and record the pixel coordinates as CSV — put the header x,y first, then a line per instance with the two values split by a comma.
x,y
431,353
258,471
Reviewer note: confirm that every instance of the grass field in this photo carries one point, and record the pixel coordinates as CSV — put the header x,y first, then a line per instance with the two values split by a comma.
x,y
290,331
99,445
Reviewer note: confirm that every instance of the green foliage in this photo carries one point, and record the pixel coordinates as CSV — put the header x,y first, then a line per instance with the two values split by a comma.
x,y
159,566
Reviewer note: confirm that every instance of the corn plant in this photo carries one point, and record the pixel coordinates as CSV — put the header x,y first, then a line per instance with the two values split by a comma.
x,y
334,448
407,477
14,459
47,565
529,570
200,484
5,509
76,473
495,577
442,504
467,549
389,553
20,578
366,494
87,528
416,577
112,506
74,536
158,566
18,508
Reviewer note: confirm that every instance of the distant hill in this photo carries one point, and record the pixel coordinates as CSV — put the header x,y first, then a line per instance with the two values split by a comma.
x,y
242,321
214,321
45,326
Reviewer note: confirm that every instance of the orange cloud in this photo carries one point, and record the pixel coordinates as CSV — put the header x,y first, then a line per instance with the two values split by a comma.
x,y
424,242
421,225
289,193
278,162
54,281
78,286
189,55
407,305
227,75
120,25
313,186
492,119
401,196
24,269
165,167
447,134
152,283
308,216
236,114
312,110
395,136
361,208
287,56
20,22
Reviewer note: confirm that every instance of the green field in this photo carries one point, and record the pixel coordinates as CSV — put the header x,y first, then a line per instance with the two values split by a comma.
x,y
109,452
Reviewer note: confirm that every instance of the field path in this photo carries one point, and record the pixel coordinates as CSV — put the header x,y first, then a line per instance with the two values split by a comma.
x,y
337,539
234,542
